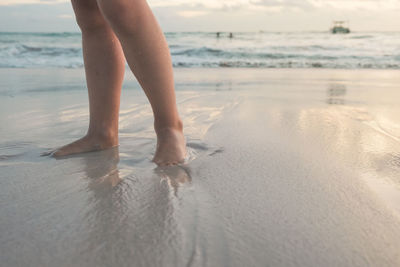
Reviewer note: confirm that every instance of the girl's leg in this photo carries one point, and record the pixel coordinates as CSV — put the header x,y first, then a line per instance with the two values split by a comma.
x,y
104,66
148,56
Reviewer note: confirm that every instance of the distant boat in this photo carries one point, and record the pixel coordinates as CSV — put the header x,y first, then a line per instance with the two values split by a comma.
x,y
340,27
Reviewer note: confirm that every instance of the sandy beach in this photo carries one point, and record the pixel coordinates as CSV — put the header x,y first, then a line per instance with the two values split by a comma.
x,y
286,167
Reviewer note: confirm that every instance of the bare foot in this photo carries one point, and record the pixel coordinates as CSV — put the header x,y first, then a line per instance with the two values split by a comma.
x,y
86,144
171,147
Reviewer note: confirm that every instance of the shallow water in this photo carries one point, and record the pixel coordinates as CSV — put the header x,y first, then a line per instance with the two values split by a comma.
x,y
284,169
113,207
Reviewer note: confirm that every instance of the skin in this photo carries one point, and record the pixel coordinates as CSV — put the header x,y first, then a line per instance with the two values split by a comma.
x,y
112,31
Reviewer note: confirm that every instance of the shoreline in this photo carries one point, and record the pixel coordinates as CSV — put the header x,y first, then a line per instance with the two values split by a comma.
x,y
182,75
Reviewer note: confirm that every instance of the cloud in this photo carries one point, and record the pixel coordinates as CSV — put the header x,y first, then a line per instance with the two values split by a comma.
x,y
357,4
278,5
328,4
191,13
65,16
21,2
250,4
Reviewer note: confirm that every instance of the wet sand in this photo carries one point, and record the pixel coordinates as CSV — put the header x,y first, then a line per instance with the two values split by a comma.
x,y
286,168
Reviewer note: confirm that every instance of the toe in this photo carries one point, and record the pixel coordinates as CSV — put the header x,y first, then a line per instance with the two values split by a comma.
x,y
57,153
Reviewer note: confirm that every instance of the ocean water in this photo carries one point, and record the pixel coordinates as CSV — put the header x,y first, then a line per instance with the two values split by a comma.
x,y
204,49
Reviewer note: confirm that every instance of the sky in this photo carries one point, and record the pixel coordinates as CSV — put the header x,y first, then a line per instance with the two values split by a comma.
x,y
218,15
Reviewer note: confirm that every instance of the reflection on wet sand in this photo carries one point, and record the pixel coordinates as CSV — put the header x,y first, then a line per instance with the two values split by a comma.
x,y
352,134
102,168
336,94
174,176
133,212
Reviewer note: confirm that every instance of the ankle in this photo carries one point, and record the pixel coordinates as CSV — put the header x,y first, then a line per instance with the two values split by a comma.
x,y
167,127
109,137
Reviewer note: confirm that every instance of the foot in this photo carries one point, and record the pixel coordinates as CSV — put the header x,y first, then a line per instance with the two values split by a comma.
x,y
171,147
87,143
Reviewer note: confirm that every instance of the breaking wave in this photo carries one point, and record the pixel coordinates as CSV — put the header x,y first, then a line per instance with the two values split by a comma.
x,y
204,49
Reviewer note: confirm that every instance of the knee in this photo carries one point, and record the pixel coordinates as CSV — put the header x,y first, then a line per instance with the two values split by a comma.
x,y
123,15
88,15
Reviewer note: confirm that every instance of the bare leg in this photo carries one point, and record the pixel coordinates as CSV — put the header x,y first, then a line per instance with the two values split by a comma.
x,y
104,67
148,56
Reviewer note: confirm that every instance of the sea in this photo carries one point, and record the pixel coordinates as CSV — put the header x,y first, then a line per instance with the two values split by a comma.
x,y
357,50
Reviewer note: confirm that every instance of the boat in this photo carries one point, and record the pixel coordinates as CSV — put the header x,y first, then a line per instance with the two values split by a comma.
x,y
339,26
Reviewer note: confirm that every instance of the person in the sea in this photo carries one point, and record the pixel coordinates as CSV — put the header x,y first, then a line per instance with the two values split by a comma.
x,y
112,31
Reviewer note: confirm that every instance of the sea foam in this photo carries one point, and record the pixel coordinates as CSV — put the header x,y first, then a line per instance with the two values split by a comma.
x,y
204,49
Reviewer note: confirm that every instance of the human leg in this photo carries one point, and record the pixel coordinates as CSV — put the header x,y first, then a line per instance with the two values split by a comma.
x,y
104,67
147,54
